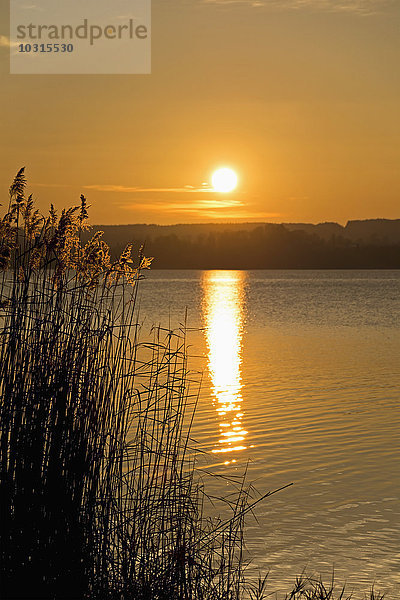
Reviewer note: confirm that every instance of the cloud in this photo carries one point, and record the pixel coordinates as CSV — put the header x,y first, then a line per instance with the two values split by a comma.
x,y
217,202
219,207
135,190
362,7
210,207
212,212
202,212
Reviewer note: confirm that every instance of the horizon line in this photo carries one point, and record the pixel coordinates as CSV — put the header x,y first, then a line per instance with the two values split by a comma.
x,y
208,223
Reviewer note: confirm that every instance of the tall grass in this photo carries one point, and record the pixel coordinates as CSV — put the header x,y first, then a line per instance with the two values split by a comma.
x,y
98,487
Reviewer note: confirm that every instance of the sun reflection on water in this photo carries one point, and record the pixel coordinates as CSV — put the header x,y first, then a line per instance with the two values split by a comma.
x,y
223,312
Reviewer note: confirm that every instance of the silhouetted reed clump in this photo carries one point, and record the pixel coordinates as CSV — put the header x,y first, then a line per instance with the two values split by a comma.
x,y
98,486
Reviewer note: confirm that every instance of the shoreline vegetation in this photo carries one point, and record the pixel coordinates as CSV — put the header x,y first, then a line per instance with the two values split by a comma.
x,y
100,495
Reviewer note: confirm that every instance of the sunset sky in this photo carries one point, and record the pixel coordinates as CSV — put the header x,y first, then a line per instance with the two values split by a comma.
x,y
299,97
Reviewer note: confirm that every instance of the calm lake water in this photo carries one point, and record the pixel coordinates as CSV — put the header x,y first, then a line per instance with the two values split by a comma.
x,y
301,381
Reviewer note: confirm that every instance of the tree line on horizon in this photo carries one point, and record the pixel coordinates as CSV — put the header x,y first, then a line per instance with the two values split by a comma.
x,y
267,246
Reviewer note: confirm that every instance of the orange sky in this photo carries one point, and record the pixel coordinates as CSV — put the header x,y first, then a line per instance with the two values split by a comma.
x,y
301,98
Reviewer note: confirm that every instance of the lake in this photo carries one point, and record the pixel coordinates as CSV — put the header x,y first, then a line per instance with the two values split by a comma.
x,y
301,380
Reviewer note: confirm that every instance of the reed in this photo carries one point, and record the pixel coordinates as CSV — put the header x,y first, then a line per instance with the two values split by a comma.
x,y
97,481
100,498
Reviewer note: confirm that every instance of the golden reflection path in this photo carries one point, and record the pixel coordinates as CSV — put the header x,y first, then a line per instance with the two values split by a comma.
x,y
223,314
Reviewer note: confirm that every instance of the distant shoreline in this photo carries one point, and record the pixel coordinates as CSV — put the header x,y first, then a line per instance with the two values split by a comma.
x,y
155,268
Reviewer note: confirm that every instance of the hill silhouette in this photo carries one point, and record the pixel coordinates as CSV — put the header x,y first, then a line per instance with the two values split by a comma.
x,y
360,244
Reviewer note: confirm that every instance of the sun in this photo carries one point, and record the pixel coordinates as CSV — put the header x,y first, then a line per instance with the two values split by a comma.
x,y
224,180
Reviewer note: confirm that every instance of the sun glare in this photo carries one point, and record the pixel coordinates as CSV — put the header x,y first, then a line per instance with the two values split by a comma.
x,y
224,180
223,311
